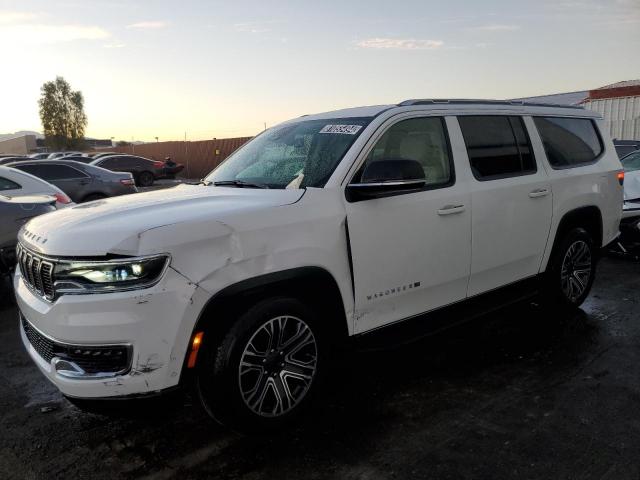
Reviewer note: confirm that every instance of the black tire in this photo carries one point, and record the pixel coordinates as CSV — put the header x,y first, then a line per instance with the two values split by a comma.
x,y
93,196
225,387
571,270
145,179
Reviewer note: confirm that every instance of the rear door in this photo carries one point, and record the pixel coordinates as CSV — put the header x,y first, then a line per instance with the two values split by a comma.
x,y
511,198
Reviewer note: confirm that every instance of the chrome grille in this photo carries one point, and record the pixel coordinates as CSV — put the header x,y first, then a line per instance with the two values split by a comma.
x,y
36,271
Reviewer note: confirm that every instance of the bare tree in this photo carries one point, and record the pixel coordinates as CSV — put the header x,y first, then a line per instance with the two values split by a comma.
x,y
62,115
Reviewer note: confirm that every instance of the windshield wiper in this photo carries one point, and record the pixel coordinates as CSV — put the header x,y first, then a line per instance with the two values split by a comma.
x,y
238,183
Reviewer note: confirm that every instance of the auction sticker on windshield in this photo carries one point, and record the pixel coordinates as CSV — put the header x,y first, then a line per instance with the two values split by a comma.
x,y
343,129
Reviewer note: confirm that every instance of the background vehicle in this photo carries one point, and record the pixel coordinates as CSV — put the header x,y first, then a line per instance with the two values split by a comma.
x,y
96,156
631,165
77,158
5,160
80,181
170,168
144,171
324,228
39,156
64,154
14,182
625,147
15,212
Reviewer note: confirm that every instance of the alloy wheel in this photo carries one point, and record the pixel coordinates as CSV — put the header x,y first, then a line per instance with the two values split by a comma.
x,y
277,366
576,270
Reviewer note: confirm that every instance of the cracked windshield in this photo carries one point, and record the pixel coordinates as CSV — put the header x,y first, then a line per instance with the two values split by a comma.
x,y
296,155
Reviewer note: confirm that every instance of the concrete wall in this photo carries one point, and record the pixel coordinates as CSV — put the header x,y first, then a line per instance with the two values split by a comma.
x,y
19,145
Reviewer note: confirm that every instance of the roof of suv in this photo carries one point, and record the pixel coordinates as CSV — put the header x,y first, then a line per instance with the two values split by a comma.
x,y
453,105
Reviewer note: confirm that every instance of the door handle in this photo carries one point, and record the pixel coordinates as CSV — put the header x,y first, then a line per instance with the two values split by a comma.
x,y
539,192
451,209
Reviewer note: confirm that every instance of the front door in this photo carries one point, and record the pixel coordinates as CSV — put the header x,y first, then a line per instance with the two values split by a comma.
x,y
411,250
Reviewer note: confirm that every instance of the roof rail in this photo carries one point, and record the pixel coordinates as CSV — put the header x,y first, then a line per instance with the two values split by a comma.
x,y
460,101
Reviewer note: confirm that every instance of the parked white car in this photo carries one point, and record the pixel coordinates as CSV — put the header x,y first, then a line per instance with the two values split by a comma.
x,y
323,228
14,182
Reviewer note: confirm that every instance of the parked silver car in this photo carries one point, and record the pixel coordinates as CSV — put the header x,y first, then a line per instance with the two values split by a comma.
x,y
14,182
82,182
14,212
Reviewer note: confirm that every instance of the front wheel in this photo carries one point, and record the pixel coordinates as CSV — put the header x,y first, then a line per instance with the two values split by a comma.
x,y
571,270
266,369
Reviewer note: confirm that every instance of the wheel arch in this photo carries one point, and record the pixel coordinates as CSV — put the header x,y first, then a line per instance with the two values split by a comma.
x,y
588,217
90,194
312,285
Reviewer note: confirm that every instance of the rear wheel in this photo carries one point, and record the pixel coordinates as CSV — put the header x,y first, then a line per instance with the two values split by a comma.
x,y
571,270
266,369
145,179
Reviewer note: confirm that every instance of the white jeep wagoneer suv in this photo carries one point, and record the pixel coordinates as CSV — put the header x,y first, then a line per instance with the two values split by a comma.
x,y
322,228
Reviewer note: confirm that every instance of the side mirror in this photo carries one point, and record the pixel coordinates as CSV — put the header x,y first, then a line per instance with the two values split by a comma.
x,y
387,177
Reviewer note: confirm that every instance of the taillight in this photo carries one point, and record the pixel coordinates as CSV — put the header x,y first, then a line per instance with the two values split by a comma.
x,y
158,164
62,198
127,181
621,177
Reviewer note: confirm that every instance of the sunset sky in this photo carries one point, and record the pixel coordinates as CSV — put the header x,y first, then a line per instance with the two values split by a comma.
x,y
222,69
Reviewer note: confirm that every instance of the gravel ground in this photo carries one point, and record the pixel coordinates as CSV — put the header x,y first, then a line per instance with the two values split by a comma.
x,y
513,395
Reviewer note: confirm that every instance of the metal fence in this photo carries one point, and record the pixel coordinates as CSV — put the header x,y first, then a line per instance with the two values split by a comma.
x,y
198,158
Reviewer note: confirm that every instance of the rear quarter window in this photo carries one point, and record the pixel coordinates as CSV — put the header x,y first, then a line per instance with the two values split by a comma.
x,y
6,184
569,142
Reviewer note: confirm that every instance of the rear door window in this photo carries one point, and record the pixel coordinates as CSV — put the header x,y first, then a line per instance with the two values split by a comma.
x,y
111,163
497,146
569,142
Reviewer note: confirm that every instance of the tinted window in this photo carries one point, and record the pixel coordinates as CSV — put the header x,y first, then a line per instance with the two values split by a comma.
x,y
498,146
52,172
6,184
631,162
137,162
569,142
110,163
421,139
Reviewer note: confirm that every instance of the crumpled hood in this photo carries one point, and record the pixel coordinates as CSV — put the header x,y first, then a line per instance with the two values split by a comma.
x,y
115,225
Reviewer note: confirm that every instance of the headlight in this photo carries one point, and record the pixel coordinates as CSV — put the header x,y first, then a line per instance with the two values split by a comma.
x,y
109,276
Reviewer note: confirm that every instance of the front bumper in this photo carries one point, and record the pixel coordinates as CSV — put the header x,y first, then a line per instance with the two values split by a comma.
x,y
74,340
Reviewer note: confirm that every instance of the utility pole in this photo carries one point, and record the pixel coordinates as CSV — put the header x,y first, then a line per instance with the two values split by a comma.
x,y
265,125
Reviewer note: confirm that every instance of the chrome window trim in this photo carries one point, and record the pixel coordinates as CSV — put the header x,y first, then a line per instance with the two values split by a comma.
x,y
392,183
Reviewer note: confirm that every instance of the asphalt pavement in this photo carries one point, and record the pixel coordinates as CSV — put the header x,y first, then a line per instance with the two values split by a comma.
x,y
515,394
